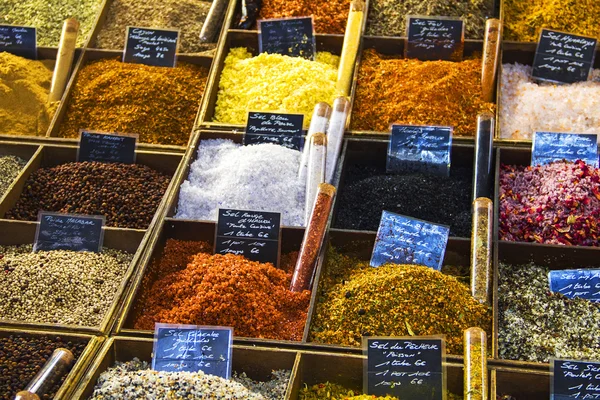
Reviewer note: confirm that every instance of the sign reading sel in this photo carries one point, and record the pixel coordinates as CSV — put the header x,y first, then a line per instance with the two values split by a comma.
x,y
292,37
252,234
553,146
69,232
282,129
435,38
574,379
191,348
19,40
106,147
584,283
155,47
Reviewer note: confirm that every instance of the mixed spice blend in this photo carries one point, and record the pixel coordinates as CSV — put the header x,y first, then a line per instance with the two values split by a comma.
x,y
10,166
328,16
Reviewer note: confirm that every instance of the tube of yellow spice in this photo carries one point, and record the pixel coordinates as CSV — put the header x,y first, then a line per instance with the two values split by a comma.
x,y
64,59
313,239
481,250
489,67
475,364
350,47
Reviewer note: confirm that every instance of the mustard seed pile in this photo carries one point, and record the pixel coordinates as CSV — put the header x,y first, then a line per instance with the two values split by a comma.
x,y
59,286
10,166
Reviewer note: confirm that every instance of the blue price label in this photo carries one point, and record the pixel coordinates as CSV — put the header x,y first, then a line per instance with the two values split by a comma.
x,y
554,146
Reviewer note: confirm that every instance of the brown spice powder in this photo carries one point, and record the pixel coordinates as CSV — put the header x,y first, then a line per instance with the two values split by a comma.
x,y
393,90
329,16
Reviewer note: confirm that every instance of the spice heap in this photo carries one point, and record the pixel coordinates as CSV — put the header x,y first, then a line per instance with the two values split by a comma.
x,y
526,106
272,82
22,357
24,89
158,103
328,16
367,191
185,15
557,203
535,324
523,19
226,290
388,17
59,286
10,166
332,391
259,177
417,301
48,17
408,91
127,194
135,380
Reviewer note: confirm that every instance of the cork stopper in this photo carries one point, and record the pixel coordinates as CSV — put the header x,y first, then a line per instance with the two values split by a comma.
x,y
482,203
485,116
26,395
357,5
327,189
322,109
318,139
66,355
341,104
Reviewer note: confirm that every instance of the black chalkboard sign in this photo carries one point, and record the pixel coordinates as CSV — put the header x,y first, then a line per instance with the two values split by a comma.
x,y
415,148
574,380
19,40
252,234
69,232
435,38
292,37
156,47
191,348
406,367
106,147
555,146
563,57
281,129
572,283
404,240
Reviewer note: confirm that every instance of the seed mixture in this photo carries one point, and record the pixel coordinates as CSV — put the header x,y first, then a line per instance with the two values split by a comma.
x,y
135,380
10,166
388,17
418,300
259,177
557,203
224,290
186,15
21,357
59,286
24,90
367,191
392,90
333,391
527,106
128,195
536,324
48,17
275,83
328,16
159,104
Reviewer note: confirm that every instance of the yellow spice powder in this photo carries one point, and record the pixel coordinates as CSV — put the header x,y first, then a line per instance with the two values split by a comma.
x,y
274,83
24,88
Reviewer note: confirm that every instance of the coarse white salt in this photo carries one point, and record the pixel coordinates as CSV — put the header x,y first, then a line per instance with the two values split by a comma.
x,y
262,177
526,106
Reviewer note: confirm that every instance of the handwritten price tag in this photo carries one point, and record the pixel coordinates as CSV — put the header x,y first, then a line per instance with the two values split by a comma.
x,y
149,46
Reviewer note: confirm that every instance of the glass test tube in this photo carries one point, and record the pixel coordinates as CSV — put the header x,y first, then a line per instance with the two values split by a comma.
x,y
335,134
481,249
484,141
318,123
350,47
491,48
317,162
212,23
64,59
313,239
475,373
57,365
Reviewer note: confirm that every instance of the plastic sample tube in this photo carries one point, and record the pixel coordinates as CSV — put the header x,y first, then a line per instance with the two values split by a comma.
x,y
212,23
64,59
475,371
313,239
350,47
57,365
318,123
484,140
491,48
335,134
481,250
317,162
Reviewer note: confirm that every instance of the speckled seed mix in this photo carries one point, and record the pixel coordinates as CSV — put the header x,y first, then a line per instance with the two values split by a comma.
x,y
59,286
259,177
418,300
127,194
157,103
535,324
10,166
408,91
21,357
333,391
272,82
368,190
225,290
134,380
526,106
557,203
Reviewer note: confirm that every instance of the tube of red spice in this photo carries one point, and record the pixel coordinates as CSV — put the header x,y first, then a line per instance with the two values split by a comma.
x,y
313,239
